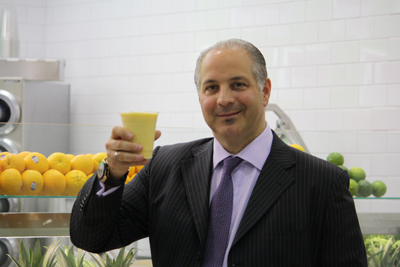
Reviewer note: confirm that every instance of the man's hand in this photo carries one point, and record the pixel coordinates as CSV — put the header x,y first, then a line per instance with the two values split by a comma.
x,y
128,152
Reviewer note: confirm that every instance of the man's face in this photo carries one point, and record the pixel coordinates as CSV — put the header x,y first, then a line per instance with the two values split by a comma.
x,y
230,99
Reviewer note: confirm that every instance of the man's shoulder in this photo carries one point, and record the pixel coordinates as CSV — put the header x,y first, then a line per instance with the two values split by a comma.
x,y
314,165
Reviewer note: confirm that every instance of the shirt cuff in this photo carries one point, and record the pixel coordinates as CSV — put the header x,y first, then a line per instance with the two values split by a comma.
x,y
100,189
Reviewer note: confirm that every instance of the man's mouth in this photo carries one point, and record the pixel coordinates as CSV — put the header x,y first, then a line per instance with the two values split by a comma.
x,y
228,115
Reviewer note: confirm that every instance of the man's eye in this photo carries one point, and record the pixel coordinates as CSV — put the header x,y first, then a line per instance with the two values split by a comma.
x,y
211,88
238,85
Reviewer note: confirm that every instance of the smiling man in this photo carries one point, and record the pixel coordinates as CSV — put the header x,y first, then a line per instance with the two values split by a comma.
x,y
240,198
230,97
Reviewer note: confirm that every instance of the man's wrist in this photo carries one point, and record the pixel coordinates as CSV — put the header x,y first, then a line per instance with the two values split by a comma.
x,y
104,175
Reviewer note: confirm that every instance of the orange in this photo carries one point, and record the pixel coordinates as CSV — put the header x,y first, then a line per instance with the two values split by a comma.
x,y
60,162
138,168
36,161
129,178
23,154
132,170
97,158
95,165
71,156
3,154
32,183
54,183
75,180
13,161
10,182
83,163
299,147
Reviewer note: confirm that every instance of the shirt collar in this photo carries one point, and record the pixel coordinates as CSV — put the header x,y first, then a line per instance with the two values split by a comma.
x,y
256,153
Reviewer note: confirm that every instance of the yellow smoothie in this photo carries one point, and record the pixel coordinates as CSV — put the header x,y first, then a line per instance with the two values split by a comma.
x,y
143,127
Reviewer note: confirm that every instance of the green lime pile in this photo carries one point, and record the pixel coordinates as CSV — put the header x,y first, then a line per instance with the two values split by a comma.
x,y
358,185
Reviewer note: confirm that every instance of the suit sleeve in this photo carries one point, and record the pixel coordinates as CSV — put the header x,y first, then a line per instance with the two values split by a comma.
x,y
99,224
342,238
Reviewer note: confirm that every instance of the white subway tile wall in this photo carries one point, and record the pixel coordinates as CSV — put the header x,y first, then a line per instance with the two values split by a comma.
x,y
334,65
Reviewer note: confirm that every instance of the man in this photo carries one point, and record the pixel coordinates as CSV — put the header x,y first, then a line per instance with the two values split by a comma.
x,y
284,207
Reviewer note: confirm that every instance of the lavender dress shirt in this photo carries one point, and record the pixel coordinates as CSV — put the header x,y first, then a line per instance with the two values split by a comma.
x,y
244,176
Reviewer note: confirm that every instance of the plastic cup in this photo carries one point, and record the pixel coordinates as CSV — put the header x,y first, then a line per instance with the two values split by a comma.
x,y
143,127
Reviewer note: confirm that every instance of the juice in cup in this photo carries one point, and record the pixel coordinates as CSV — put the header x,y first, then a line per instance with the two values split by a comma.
x,y
143,127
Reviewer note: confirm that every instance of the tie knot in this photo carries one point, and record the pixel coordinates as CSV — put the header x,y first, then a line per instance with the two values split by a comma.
x,y
230,164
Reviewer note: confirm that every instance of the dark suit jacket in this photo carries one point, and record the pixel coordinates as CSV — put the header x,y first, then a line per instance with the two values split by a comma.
x,y
299,214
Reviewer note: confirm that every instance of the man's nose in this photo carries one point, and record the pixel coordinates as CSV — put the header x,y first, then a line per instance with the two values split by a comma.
x,y
225,96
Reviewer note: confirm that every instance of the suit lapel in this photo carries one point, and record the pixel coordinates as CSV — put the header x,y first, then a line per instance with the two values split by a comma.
x,y
272,182
196,174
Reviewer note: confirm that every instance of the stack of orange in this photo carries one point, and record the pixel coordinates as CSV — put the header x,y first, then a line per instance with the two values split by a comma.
x,y
31,173
132,172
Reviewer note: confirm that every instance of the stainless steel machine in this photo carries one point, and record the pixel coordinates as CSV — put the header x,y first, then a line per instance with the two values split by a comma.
x,y
285,128
32,114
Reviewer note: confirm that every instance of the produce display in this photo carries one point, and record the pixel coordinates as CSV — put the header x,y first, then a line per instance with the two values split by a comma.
x,y
32,174
382,250
359,186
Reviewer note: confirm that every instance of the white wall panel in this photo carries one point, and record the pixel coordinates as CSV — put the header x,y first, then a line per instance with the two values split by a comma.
x,y
375,7
346,8
342,97
319,10
360,28
394,95
345,52
373,96
332,75
332,31
317,54
267,15
292,12
305,33
357,120
304,76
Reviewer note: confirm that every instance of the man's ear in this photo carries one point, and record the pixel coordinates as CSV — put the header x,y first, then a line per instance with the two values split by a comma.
x,y
266,91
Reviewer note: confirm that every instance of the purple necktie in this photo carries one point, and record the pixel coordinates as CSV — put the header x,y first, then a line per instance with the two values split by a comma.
x,y
220,216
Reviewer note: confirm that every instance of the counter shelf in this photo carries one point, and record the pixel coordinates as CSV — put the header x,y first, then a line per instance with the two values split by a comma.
x,y
17,224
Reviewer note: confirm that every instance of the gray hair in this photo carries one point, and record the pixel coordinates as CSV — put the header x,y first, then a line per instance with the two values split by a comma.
x,y
259,70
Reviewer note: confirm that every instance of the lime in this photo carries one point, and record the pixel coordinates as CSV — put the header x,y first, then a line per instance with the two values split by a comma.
x,y
299,147
344,168
379,188
357,174
365,188
353,187
335,158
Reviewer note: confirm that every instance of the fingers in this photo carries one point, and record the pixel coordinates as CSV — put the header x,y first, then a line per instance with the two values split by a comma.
x,y
120,133
128,153
158,134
